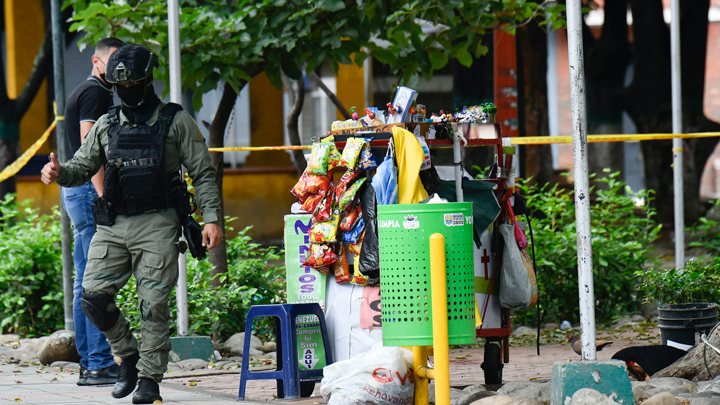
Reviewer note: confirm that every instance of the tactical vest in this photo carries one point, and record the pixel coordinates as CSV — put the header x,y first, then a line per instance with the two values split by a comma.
x,y
135,182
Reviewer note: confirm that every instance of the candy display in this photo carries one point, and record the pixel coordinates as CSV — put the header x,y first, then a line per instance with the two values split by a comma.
x,y
338,225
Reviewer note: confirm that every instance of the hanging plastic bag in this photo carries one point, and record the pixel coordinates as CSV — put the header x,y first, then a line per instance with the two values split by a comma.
x,y
426,150
518,231
381,376
518,285
385,182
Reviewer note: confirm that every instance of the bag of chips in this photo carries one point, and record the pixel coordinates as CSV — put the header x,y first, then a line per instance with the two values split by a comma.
x,y
349,195
318,163
367,160
320,257
356,247
340,267
311,203
348,177
325,231
351,152
348,222
310,184
353,235
324,210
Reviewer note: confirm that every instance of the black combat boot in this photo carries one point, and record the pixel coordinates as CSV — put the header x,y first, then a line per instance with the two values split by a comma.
x,y
127,377
147,393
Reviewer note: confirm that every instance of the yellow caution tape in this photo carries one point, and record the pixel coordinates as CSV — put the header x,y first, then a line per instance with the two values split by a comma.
x,y
257,148
525,140
542,140
15,166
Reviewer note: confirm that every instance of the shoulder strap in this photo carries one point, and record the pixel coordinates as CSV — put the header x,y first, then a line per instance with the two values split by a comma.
x,y
114,115
167,113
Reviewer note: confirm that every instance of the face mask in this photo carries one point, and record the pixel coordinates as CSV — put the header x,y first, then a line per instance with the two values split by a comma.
x,y
131,96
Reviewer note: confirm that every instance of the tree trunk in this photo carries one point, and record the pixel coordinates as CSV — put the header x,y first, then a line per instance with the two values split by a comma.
x,y
336,101
533,102
648,101
218,256
692,365
607,60
296,99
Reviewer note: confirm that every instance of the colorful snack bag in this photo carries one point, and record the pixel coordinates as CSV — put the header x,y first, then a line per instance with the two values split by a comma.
x,y
358,277
324,210
340,267
311,203
325,231
348,222
318,163
348,177
349,194
367,160
351,152
310,184
320,257
356,247
353,235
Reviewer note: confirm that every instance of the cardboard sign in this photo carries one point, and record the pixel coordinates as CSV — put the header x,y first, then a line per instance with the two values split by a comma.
x,y
370,309
304,285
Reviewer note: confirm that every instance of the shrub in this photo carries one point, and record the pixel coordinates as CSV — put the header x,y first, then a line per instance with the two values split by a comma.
x,y
697,281
31,285
621,241
253,278
706,232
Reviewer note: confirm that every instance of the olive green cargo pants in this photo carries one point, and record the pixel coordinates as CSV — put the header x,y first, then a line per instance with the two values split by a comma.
x,y
144,245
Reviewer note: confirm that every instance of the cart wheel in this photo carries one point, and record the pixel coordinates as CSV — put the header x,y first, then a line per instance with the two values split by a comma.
x,y
492,364
306,388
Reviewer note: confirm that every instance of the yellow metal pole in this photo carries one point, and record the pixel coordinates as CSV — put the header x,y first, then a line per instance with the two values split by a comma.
x,y
441,346
421,369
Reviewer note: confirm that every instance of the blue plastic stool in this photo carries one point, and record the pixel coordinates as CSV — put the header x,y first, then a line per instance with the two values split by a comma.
x,y
288,373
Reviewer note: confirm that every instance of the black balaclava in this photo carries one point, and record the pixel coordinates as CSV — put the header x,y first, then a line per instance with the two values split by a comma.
x,y
138,102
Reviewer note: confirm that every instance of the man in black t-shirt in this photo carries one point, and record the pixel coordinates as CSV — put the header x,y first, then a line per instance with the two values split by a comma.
x,y
86,104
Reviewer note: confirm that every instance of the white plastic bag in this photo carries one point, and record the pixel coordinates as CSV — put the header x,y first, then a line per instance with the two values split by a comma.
x,y
382,376
518,285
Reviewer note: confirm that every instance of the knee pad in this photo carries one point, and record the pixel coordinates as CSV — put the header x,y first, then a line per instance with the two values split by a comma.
x,y
100,309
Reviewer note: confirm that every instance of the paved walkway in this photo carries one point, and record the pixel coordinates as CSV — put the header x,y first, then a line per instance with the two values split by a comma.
x,y
45,385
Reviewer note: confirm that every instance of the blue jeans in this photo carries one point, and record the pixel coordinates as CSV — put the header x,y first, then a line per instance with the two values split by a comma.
x,y
91,343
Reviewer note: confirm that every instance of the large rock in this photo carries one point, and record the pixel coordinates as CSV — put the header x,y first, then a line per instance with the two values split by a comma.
x,y
10,340
527,389
663,398
235,344
60,347
589,396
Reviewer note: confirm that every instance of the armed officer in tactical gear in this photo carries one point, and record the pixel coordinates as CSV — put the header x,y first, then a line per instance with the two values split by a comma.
x,y
141,144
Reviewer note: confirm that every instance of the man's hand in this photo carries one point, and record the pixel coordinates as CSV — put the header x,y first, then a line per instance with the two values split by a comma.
x,y
212,233
51,170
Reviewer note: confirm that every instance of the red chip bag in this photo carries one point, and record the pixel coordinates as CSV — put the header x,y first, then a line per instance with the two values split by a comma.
x,y
348,178
350,219
320,257
311,203
341,268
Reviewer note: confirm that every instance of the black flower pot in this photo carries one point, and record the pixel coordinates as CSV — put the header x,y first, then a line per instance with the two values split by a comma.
x,y
684,323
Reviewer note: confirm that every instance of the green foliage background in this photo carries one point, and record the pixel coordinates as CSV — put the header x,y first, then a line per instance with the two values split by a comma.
x,y
31,300
31,284
622,237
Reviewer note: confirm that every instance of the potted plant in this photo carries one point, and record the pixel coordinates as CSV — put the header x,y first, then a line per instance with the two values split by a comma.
x,y
687,299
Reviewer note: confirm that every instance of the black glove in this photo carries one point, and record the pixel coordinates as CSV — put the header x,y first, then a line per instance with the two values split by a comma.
x,y
193,233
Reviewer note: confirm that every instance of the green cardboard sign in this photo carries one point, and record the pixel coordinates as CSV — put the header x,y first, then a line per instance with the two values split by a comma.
x,y
304,285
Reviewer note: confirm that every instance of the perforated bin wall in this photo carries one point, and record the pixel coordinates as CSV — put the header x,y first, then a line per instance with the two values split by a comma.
x,y
404,231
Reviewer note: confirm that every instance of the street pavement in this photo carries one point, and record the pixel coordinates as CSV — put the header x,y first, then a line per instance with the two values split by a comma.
x,y
32,384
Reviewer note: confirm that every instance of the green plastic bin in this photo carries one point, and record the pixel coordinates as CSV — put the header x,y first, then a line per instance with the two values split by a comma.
x,y
404,237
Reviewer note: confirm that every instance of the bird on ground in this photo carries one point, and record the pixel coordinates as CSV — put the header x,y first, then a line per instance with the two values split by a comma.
x,y
576,344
